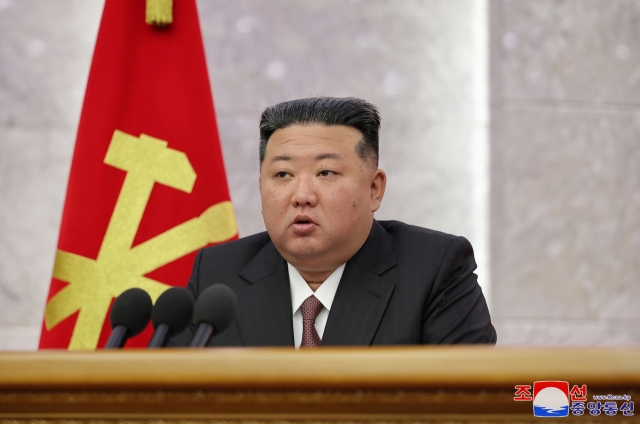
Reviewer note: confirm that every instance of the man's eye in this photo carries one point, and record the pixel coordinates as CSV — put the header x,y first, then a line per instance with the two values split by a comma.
x,y
325,173
282,174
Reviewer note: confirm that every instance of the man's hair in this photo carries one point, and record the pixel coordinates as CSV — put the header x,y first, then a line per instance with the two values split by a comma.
x,y
349,111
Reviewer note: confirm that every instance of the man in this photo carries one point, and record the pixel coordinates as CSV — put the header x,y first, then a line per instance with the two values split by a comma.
x,y
326,272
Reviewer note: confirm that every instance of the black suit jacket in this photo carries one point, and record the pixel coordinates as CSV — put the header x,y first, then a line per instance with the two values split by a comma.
x,y
406,285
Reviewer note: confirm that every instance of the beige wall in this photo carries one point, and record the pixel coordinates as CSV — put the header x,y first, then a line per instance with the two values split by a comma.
x,y
565,171
45,51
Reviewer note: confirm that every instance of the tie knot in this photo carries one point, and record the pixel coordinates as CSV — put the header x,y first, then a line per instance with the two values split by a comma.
x,y
310,308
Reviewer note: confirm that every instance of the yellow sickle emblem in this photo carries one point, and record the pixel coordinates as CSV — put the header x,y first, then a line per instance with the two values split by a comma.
x,y
93,283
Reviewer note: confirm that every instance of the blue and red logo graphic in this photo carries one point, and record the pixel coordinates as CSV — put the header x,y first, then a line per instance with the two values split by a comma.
x,y
551,399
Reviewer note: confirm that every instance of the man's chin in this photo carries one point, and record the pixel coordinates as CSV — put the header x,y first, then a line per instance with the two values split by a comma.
x,y
304,251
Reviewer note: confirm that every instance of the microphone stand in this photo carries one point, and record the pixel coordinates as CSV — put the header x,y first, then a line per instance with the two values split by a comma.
x,y
203,335
160,337
118,337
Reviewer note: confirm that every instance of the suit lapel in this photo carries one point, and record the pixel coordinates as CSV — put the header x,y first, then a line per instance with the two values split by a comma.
x,y
364,291
264,307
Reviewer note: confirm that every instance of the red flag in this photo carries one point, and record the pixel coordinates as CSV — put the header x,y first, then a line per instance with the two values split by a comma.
x,y
147,187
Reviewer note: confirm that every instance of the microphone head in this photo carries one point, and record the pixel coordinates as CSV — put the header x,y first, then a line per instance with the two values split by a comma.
x,y
217,306
132,309
174,308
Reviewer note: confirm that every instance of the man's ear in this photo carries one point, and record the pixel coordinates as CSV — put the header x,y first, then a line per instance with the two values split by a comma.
x,y
378,185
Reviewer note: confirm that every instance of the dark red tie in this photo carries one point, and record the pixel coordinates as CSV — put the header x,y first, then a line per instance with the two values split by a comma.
x,y
310,309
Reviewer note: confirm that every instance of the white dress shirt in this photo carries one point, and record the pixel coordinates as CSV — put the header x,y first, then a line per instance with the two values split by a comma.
x,y
300,291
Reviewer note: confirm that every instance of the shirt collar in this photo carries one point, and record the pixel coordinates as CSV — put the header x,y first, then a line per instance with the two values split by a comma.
x,y
300,290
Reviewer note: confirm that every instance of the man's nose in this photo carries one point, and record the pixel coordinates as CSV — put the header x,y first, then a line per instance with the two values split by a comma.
x,y
304,194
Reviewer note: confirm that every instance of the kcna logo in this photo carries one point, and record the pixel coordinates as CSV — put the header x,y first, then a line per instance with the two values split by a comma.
x,y
554,399
551,399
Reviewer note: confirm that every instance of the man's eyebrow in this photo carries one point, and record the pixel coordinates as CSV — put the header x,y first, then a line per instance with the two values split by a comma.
x,y
281,157
328,156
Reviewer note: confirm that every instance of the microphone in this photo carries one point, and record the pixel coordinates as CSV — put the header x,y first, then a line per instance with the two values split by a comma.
x,y
130,314
215,310
171,314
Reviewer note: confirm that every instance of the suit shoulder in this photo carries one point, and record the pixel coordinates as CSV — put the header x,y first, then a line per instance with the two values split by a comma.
x,y
411,241
401,230
237,251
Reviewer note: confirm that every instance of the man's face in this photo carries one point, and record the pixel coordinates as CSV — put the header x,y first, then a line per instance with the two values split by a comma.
x,y
310,179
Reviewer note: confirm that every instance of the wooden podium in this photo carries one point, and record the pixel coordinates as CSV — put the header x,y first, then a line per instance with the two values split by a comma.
x,y
354,385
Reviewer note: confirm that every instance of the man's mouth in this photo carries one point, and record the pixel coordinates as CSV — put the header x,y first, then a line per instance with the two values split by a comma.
x,y
303,224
